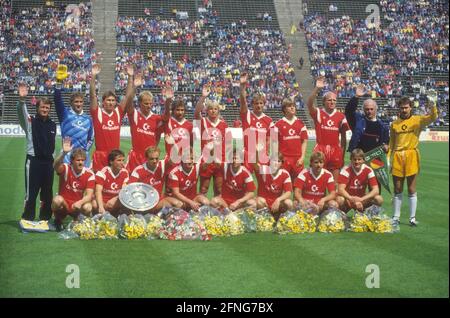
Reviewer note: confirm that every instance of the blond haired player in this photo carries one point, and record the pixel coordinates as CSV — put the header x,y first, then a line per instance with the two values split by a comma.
x,y
404,153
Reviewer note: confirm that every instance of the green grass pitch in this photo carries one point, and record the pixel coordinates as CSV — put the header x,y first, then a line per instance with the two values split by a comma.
x,y
412,263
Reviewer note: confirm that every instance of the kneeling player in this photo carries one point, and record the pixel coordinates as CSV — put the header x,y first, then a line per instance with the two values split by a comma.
x,y
182,183
274,186
311,186
76,186
352,183
152,173
109,181
237,187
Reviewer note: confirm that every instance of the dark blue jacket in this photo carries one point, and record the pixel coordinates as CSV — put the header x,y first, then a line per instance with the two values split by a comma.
x,y
358,122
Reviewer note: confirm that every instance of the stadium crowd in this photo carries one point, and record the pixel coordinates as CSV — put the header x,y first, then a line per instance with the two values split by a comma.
x,y
388,59
139,29
35,40
262,53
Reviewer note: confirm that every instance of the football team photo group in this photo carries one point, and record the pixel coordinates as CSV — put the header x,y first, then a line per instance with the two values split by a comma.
x,y
215,146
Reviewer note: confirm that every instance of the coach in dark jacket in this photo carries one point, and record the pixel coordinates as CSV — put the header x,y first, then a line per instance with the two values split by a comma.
x,y
40,133
368,132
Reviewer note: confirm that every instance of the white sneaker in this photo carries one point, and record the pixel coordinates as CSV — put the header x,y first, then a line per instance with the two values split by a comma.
x,y
395,222
413,222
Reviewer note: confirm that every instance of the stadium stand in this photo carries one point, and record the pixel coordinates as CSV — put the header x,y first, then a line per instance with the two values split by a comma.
x,y
407,56
231,36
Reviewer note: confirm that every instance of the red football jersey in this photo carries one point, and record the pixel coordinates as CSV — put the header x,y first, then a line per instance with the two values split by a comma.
x,y
112,184
72,186
107,129
180,133
257,126
213,133
329,127
145,130
186,182
290,136
357,181
270,186
314,188
155,177
236,185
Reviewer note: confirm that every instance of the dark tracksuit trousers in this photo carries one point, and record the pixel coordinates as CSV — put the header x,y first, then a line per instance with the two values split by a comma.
x,y
38,178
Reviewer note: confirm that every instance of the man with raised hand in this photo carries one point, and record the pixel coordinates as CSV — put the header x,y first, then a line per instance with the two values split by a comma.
x,y
368,132
403,148
331,127
107,119
76,186
145,126
74,123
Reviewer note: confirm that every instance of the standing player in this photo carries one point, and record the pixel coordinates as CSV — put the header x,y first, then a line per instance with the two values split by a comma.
x,y
76,186
108,183
315,185
177,129
107,119
182,182
254,122
329,125
40,132
403,147
213,129
146,127
153,173
292,139
238,187
274,186
74,123
352,184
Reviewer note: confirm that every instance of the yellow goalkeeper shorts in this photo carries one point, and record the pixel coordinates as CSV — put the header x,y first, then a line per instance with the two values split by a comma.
x,y
406,163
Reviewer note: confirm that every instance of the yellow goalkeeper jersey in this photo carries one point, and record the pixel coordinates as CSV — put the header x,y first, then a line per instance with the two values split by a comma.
x,y
405,132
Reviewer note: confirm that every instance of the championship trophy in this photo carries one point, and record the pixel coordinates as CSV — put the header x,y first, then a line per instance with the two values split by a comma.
x,y
139,197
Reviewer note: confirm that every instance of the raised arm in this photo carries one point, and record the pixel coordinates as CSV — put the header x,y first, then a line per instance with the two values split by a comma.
x,y
66,148
243,93
127,103
198,108
22,111
432,112
137,82
61,75
168,95
352,105
92,91
320,84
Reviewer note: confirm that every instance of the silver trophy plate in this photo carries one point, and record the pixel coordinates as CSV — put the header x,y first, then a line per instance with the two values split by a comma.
x,y
139,196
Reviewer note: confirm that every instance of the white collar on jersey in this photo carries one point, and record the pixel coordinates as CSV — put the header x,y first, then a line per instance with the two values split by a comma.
x,y
363,166
290,122
77,175
179,122
231,169
314,176
259,117
214,124
112,172
150,170
75,113
185,172
111,114
330,114
146,117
